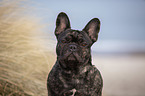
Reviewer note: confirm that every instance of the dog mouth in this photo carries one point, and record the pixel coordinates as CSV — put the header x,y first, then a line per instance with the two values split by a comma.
x,y
71,57
70,60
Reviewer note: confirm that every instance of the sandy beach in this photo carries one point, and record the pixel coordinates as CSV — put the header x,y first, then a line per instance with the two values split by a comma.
x,y
123,75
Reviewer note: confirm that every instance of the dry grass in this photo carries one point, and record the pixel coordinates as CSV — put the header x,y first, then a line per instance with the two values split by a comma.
x,y
25,59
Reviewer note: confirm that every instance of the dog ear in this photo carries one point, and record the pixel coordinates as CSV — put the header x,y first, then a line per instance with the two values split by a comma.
x,y
92,29
62,23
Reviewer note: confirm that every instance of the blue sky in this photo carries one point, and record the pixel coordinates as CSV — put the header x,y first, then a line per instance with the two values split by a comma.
x,y
122,21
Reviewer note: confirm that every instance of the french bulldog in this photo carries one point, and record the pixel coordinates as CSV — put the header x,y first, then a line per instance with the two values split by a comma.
x,y
73,73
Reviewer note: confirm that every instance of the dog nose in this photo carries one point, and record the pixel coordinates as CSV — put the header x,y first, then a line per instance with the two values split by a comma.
x,y
72,47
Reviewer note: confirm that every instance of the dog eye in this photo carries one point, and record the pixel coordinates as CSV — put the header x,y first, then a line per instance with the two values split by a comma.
x,y
84,44
63,41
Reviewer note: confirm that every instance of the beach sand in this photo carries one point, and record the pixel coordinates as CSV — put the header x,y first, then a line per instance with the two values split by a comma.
x,y
123,74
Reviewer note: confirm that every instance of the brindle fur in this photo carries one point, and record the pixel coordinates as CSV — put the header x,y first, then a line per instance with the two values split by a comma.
x,y
73,74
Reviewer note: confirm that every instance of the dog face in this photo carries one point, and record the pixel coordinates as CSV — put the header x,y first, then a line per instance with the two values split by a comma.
x,y
73,47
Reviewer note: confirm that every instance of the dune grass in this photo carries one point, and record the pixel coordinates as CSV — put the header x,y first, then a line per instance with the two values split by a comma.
x,y
25,59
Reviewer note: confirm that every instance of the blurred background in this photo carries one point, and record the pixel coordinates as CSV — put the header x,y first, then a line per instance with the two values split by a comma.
x,y
119,53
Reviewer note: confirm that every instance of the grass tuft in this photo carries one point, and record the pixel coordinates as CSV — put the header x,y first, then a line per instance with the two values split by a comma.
x,y
25,59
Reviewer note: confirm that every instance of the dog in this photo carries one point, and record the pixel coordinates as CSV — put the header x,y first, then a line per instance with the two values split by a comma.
x,y
73,73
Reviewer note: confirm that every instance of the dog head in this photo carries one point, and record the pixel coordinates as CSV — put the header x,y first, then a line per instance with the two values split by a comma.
x,y
73,47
